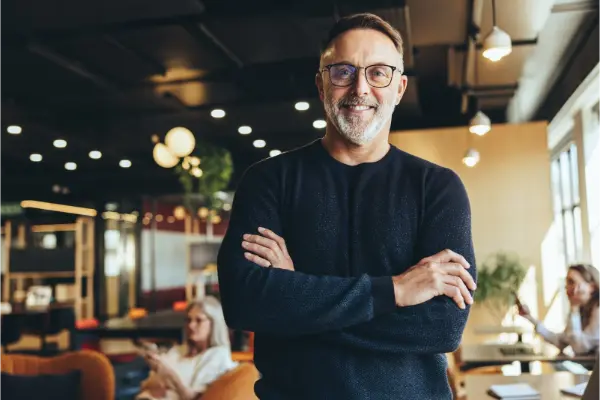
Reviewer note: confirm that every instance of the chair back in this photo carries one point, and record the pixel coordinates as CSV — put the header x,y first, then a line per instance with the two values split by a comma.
x,y
237,384
97,374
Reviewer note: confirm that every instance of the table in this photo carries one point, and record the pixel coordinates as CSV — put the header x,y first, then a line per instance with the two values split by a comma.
x,y
166,324
491,354
549,385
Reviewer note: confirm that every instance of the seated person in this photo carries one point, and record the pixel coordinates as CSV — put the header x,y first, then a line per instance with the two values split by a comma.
x,y
582,332
185,371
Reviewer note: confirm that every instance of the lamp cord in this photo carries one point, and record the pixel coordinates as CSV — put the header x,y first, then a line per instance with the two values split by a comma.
x,y
493,12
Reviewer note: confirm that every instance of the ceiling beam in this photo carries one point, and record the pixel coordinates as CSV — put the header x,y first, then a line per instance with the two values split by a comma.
x,y
515,43
200,32
576,6
71,65
155,66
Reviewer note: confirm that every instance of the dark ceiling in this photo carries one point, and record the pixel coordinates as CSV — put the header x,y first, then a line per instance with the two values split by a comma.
x,y
108,75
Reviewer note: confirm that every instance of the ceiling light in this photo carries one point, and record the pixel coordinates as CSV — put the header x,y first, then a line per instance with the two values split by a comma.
x,y
35,157
124,163
217,113
14,129
95,155
180,141
244,130
480,124
163,156
319,124
259,144
60,143
71,166
302,106
197,172
497,45
471,158
274,153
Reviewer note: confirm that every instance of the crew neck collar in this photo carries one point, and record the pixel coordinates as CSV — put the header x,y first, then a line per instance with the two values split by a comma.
x,y
322,152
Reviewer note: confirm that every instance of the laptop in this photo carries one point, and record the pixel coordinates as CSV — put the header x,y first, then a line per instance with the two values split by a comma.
x,y
592,389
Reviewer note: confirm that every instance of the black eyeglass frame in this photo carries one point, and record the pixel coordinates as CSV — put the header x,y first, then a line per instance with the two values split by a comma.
x,y
328,69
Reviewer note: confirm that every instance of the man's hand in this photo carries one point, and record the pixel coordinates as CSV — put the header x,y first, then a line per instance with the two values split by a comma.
x,y
444,274
267,250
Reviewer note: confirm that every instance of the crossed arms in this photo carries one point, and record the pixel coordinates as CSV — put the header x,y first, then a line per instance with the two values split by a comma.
x,y
382,313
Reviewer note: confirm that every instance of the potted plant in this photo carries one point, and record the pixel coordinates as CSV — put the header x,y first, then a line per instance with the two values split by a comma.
x,y
498,279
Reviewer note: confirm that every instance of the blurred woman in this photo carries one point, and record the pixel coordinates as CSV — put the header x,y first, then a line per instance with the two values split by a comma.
x,y
185,371
582,332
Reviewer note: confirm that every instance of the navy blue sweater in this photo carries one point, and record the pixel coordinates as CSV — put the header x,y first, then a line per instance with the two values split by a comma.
x,y
331,328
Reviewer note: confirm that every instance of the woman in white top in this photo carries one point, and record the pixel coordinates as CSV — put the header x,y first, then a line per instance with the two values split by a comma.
x,y
582,332
185,371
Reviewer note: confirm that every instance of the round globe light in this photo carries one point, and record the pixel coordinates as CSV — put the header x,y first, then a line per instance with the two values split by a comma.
x,y
163,156
180,141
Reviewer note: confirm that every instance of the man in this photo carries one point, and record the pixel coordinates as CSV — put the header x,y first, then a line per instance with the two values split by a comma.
x,y
351,260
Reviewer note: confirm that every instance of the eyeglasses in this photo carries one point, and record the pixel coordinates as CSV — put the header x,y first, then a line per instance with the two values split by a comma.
x,y
344,75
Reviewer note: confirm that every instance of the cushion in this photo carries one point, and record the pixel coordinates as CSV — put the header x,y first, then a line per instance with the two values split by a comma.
x,y
41,387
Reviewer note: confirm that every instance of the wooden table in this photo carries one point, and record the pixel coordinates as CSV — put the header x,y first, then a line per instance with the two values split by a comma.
x,y
549,385
166,324
491,354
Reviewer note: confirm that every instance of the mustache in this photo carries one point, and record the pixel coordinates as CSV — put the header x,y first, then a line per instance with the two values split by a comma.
x,y
355,101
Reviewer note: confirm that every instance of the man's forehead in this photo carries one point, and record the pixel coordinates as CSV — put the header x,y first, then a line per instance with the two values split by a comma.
x,y
367,44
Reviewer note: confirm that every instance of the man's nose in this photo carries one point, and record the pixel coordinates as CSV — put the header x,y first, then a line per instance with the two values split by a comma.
x,y
361,86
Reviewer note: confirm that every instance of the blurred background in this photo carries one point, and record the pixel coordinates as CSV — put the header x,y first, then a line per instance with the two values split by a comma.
x,y
126,126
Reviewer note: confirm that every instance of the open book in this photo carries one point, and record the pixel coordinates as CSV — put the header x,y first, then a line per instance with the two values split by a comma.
x,y
576,391
516,391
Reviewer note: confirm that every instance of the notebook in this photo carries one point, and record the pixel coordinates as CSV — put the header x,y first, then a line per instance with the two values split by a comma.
x,y
576,391
515,391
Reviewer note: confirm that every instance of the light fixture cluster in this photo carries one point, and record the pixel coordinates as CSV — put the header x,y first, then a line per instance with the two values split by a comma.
x,y
480,125
179,144
61,144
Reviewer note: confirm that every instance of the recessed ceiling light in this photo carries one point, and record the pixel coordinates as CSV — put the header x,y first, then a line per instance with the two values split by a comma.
x,y
124,163
71,166
274,153
35,157
319,124
217,113
302,106
95,155
244,130
60,143
259,143
14,129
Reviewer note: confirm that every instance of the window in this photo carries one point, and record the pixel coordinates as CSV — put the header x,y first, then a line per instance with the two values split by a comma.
x,y
567,209
591,141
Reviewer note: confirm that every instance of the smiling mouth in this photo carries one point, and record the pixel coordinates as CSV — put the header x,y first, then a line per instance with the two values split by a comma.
x,y
357,107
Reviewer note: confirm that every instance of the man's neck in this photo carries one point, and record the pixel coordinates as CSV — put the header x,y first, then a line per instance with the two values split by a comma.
x,y
350,153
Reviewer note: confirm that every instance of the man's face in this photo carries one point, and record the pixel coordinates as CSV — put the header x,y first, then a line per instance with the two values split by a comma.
x,y
360,111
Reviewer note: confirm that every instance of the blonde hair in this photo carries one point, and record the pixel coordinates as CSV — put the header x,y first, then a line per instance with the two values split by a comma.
x,y
219,332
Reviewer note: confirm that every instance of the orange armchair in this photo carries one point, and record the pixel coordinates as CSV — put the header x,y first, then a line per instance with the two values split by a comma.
x,y
237,384
97,374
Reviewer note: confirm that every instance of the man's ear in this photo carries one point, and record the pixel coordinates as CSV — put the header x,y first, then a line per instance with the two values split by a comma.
x,y
319,83
401,88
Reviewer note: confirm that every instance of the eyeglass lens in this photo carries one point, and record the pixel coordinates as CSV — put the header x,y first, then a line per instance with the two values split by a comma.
x,y
345,75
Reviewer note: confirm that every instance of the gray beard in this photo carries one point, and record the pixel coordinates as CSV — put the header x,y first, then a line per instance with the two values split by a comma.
x,y
353,128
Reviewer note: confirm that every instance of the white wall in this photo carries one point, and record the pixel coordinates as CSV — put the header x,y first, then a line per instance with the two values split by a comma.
x,y
171,259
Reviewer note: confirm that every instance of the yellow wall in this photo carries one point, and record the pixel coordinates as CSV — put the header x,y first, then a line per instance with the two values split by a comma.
x,y
509,190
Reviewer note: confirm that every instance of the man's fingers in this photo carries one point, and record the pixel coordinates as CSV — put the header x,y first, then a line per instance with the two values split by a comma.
x,y
446,256
458,282
454,293
257,260
259,250
263,241
272,235
459,271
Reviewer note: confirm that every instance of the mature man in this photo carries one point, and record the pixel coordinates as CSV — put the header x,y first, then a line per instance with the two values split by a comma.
x,y
350,259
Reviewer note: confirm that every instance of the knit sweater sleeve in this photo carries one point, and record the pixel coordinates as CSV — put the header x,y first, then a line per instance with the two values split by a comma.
x,y
279,301
435,326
